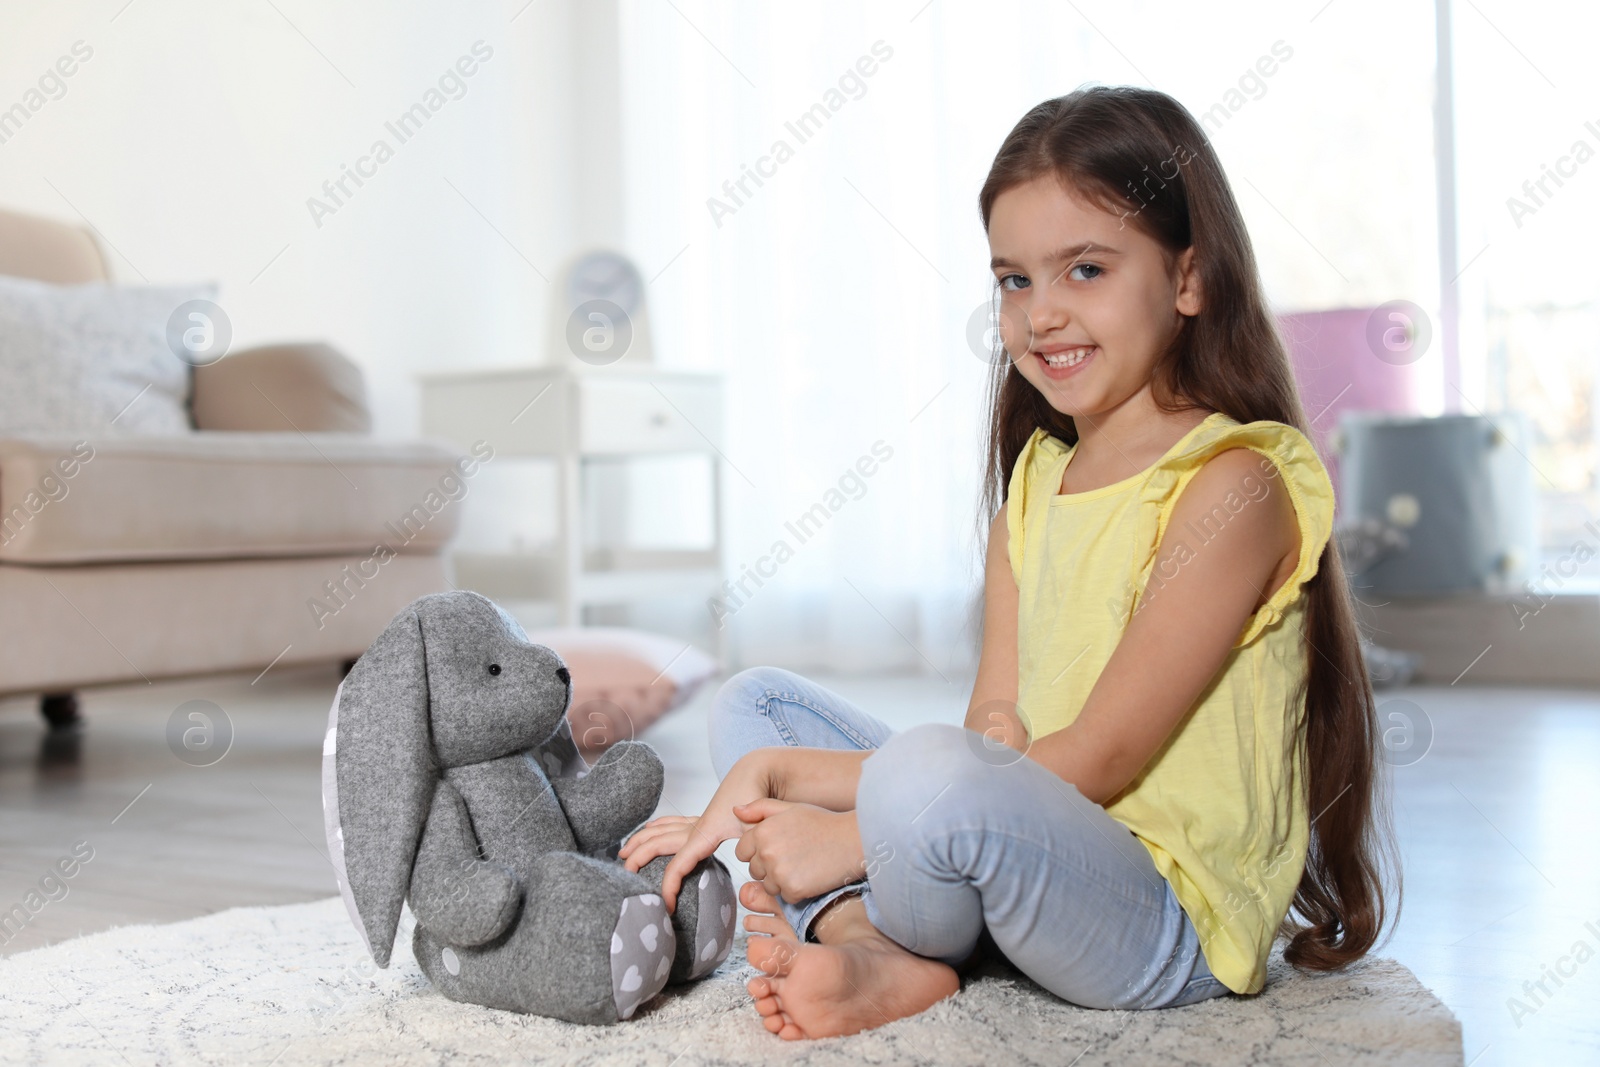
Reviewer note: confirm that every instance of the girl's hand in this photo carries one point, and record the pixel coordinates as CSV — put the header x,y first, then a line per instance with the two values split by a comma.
x,y
689,839
800,850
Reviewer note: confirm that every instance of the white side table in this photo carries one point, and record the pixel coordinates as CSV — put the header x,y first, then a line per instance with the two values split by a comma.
x,y
571,414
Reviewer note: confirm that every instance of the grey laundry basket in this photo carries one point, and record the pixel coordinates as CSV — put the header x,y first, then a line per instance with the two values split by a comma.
x,y
1458,487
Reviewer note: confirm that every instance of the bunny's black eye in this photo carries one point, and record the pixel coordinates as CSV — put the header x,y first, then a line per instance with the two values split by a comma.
x,y
494,668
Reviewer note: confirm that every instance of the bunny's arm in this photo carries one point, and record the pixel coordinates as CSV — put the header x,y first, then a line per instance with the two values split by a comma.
x,y
620,791
458,897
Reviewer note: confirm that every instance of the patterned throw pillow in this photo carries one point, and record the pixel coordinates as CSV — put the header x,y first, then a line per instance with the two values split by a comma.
x,y
92,360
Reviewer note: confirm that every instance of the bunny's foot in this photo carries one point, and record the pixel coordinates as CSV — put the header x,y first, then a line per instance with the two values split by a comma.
x,y
705,917
642,949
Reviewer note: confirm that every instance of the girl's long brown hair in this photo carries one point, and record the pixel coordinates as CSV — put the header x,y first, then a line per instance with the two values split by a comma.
x,y
1139,154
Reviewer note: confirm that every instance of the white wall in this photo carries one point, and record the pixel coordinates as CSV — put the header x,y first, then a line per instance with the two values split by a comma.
x,y
194,134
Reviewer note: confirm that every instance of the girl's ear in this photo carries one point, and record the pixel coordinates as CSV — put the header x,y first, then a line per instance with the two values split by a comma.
x,y
1189,295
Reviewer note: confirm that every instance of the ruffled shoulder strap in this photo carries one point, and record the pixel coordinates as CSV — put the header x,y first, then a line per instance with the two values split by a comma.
x,y
1287,454
1027,488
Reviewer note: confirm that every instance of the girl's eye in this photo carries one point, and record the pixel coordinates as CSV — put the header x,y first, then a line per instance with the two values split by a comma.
x,y
1087,266
1008,277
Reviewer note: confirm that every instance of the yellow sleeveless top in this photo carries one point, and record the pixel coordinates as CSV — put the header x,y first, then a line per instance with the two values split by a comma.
x,y
1221,805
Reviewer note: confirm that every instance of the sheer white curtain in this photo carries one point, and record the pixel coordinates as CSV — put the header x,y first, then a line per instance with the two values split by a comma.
x,y
836,294
1529,167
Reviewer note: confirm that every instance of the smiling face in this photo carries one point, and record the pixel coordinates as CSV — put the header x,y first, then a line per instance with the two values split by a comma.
x,y
1088,289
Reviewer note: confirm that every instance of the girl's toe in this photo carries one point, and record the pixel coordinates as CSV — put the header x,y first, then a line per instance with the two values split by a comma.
x,y
765,924
756,897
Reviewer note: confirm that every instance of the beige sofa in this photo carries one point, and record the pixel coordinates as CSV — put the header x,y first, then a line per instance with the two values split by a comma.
x,y
279,532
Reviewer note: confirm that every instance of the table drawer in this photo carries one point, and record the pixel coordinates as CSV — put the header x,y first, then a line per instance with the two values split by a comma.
x,y
641,416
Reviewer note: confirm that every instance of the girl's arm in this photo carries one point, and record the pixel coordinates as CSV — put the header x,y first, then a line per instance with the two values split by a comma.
x,y
993,708
1181,633
778,772
826,777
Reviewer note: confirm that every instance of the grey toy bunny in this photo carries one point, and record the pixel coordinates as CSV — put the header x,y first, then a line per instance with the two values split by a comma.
x,y
450,779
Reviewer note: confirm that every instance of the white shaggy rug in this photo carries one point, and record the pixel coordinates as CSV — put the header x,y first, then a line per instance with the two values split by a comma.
x,y
277,987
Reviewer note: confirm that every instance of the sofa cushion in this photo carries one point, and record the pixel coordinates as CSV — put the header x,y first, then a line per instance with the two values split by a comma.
x,y
91,359
215,495
76,626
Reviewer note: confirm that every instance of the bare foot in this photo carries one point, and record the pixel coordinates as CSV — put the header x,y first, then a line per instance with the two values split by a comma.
x,y
855,980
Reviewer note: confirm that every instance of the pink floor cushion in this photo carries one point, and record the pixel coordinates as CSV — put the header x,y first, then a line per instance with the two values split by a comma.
x,y
623,679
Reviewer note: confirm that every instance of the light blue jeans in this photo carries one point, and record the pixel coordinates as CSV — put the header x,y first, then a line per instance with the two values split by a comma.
x,y
960,839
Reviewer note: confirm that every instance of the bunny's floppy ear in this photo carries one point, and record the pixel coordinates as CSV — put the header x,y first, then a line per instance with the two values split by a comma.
x,y
384,778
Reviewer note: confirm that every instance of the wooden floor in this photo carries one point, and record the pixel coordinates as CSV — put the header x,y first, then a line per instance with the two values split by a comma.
x,y
1497,822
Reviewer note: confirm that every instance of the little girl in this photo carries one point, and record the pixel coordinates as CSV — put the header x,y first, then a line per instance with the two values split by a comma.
x,y
1171,738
